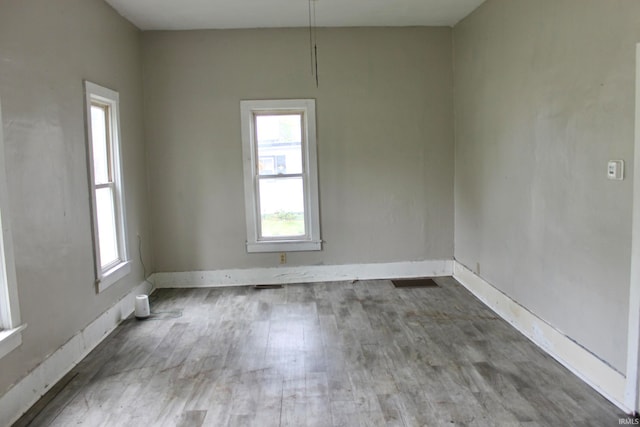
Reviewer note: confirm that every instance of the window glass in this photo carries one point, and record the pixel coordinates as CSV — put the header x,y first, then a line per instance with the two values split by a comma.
x,y
99,138
106,226
282,207
279,144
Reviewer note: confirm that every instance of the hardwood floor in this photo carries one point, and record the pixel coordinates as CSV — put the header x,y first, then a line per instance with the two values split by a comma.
x,y
329,354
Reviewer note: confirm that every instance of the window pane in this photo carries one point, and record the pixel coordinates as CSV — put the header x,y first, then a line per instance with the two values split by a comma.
x,y
100,146
279,144
282,207
107,234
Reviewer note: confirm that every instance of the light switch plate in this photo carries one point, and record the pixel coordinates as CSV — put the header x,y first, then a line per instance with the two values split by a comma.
x,y
615,169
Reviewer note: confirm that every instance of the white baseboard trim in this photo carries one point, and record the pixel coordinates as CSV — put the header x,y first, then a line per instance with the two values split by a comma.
x,y
587,366
302,274
18,399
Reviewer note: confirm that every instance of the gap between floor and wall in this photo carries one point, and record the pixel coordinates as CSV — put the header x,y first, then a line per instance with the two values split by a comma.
x,y
587,366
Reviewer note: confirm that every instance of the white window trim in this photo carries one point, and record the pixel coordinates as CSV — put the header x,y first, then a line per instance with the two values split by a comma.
x,y
312,241
110,275
10,326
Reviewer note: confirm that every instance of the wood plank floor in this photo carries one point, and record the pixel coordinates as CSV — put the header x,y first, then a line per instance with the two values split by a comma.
x,y
330,354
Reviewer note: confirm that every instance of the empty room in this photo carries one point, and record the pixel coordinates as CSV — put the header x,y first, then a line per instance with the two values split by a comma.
x,y
319,212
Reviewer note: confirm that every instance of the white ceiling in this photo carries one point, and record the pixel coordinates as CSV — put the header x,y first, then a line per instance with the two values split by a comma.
x,y
201,14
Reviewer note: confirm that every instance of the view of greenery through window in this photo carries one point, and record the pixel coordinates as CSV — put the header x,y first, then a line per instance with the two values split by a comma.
x,y
283,224
281,186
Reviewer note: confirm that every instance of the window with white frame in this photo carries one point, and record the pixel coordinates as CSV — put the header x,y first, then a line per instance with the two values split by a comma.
x,y
280,175
10,326
107,193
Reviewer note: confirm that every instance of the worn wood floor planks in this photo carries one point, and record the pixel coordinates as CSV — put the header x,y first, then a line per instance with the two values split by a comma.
x,y
327,354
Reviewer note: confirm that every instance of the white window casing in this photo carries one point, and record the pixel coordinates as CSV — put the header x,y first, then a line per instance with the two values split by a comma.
x,y
10,323
107,195
269,170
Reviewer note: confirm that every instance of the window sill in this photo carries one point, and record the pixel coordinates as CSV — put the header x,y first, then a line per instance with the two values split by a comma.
x,y
113,275
285,246
10,339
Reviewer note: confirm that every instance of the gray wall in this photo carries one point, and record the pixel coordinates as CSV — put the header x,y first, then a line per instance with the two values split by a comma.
x,y
385,141
46,49
544,95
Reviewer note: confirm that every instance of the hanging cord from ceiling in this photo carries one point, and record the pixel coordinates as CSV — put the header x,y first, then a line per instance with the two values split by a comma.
x,y
313,40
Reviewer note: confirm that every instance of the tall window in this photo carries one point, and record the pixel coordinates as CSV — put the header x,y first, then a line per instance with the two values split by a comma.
x,y
109,231
10,325
280,172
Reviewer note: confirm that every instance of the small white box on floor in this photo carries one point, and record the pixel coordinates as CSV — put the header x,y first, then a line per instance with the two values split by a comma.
x,y
142,310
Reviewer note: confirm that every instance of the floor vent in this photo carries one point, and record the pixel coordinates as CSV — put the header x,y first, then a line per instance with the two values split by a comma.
x,y
415,283
267,286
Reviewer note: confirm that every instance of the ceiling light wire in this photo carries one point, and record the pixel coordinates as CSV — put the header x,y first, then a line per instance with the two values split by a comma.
x,y
310,38
313,43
